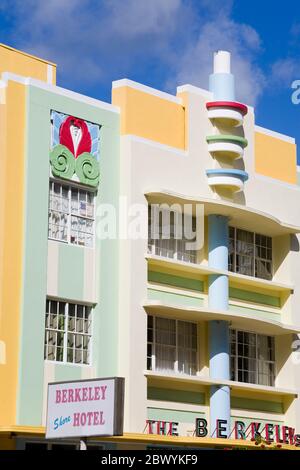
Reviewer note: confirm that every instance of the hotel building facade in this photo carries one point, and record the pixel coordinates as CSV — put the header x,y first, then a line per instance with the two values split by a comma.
x,y
207,334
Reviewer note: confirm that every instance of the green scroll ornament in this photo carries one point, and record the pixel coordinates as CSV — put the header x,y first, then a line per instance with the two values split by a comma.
x,y
62,162
87,169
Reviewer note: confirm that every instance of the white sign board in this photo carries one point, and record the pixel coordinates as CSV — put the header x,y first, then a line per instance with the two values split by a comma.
x,y
85,408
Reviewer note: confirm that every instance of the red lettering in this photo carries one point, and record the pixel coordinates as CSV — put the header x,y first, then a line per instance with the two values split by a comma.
x,y
102,420
97,393
150,423
58,396
91,397
96,418
292,436
65,396
90,416
84,394
70,395
284,434
254,430
103,391
83,419
76,419
269,432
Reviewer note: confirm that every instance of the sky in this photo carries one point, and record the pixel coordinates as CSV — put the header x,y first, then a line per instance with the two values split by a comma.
x,y
165,44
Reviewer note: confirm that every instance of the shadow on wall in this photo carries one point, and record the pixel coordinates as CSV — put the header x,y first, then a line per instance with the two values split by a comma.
x,y
283,351
294,246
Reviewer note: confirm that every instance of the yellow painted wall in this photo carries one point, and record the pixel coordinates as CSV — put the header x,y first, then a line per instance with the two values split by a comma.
x,y
20,63
275,158
151,117
12,137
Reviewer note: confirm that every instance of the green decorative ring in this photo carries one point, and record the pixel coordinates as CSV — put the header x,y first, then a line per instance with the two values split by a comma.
x,y
87,169
236,139
62,162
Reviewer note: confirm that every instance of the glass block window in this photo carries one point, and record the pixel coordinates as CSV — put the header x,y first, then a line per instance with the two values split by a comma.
x,y
68,331
71,214
252,358
172,346
250,253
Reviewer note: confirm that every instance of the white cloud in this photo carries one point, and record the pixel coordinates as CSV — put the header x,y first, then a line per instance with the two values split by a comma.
x,y
96,41
284,71
223,33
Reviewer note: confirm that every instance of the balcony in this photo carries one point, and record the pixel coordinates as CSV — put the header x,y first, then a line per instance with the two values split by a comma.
x,y
227,178
230,113
251,389
185,267
224,145
241,216
238,320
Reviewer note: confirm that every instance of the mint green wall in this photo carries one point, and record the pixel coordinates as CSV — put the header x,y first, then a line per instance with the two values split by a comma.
x,y
257,405
71,259
176,281
180,416
255,297
255,311
173,395
182,300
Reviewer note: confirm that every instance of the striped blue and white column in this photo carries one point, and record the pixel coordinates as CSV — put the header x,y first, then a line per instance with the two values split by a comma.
x,y
218,293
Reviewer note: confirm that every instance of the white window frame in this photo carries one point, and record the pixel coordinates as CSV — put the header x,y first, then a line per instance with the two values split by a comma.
x,y
69,186
256,358
176,347
66,332
174,251
254,257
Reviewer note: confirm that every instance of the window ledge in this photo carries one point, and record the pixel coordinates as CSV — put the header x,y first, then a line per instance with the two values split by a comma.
x,y
183,266
207,381
238,320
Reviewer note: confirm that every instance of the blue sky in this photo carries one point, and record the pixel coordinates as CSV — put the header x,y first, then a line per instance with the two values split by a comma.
x,y
165,43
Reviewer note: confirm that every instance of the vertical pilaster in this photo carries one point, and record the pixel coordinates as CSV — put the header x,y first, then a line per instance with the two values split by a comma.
x,y
218,330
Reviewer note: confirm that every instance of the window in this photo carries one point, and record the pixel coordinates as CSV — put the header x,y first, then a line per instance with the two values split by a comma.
x,y
172,345
71,214
43,445
67,332
252,358
172,232
250,253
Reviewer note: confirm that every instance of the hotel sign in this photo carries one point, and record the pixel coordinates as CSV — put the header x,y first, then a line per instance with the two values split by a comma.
x,y
85,408
255,431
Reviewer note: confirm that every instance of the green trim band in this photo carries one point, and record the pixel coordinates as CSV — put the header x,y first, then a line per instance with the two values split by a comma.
x,y
257,405
176,281
236,139
178,396
174,298
179,416
255,297
255,311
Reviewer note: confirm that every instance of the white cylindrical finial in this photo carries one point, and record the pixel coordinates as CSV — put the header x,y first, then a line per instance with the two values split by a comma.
x,y
221,62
